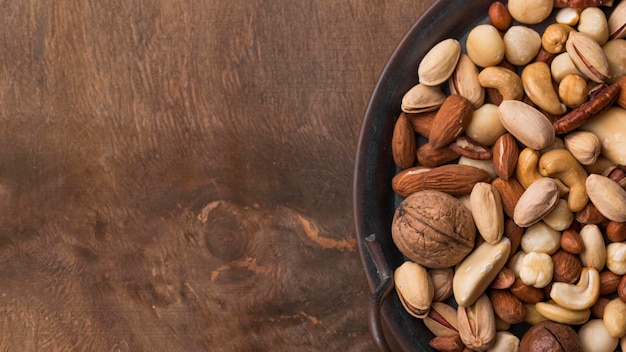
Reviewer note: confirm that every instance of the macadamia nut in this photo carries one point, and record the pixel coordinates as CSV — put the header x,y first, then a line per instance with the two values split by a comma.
x,y
521,44
530,11
541,238
485,126
485,45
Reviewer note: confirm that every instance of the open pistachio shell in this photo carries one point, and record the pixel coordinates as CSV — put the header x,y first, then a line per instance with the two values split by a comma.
x,y
439,63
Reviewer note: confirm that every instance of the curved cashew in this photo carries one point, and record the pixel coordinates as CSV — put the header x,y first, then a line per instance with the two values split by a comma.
x,y
555,312
507,82
580,296
561,164
537,83
594,255
526,171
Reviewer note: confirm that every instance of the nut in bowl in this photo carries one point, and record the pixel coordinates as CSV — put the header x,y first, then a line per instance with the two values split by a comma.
x,y
494,171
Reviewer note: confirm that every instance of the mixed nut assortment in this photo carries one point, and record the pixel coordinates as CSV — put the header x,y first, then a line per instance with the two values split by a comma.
x,y
513,210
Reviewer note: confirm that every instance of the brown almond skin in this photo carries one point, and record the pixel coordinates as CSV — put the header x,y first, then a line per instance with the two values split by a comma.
x,y
550,336
609,282
597,309
505,154
500,16
572,242
526,293
451,119
514,233
616,231
507,307
431,157
567,266
447,343
422,122
510,192
453,179
403,144
621,289
590,215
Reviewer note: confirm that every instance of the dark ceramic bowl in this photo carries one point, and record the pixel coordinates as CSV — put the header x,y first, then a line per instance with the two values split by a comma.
x,y
374,200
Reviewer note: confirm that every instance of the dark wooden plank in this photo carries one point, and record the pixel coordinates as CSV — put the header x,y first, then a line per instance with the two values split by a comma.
x,y
176,175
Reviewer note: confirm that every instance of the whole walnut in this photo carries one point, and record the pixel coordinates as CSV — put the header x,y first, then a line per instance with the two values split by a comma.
x,y
433,229
550,336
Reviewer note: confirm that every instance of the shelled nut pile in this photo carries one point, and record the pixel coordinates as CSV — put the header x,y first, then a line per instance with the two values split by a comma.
x,y
514,209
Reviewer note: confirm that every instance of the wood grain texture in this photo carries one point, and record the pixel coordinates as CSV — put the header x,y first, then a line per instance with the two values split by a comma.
x,y
176,175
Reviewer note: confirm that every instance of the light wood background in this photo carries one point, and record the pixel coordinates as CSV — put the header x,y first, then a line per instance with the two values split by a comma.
x,y
177,175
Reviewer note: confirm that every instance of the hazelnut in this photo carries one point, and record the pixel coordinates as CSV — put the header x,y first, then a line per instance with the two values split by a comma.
x,y
550,336
433,229
567,266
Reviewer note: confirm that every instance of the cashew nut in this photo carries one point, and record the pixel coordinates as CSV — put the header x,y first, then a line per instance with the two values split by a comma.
x,y
555,312
526,171
581,295
560,163
594,254
507,82
537,83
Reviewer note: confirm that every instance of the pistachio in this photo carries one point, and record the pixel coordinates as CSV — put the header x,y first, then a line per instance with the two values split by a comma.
x,y
487,211
608,196
617,21
439,63
414,287
529,125
464,82
442,281
588,56
441,320
477,324
422,98
536,201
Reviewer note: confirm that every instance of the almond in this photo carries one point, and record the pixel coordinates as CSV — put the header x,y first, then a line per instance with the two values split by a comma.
x,y
403,144
609,282
453,179
510,192
616,231
450,121
431,157
505,154
500,16
507,307
571,242
567,266
526,293
422,122
504,279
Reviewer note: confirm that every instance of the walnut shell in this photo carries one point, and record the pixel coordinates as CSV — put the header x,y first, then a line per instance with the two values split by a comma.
x,y
433,229
550,336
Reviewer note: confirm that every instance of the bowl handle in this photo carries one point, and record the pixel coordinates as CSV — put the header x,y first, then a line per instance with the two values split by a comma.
x,y
384,288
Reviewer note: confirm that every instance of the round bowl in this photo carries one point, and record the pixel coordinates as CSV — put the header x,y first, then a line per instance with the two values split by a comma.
x,y
374,200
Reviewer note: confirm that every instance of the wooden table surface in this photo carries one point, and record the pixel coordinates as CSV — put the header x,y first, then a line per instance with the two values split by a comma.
x,y
177,175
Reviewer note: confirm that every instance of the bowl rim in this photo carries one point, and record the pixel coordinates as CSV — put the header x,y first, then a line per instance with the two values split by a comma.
x,y
372,206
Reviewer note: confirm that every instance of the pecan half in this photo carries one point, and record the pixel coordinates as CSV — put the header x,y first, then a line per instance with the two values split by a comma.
x,y
581,114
